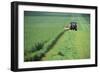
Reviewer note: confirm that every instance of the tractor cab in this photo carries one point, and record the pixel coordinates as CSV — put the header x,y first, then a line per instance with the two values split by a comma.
x,y
73,26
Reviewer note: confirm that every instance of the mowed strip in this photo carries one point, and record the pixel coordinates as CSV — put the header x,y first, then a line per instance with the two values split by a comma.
x,y
72,45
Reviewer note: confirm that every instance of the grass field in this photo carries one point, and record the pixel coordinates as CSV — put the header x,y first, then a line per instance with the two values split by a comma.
x,y
42,28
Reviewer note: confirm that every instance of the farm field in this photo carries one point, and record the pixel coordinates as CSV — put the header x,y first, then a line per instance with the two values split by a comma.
x,y
43,39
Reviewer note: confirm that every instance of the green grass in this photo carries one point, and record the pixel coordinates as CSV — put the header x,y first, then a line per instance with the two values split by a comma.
x,y
45,28
76,48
